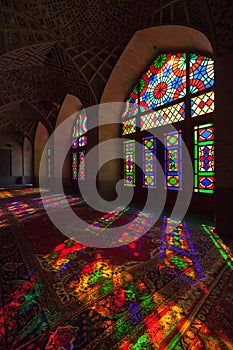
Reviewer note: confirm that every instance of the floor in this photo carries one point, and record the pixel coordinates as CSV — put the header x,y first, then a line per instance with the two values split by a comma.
x,y
167,285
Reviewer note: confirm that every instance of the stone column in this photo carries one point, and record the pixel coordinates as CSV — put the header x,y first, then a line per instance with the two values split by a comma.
x,y
224,144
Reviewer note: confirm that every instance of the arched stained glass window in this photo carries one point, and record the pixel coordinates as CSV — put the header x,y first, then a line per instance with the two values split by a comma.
x,y
178,89
79,143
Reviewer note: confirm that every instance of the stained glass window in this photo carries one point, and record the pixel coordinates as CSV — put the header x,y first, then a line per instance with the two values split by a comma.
x,y
164,82
204,158
74,166
82,165
176,88
82,116
129,126
78,143
173,160
202,104
149,162
164,116
201,73
129,164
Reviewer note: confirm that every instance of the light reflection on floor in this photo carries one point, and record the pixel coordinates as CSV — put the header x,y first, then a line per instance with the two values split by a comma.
x,y
117,296
24,210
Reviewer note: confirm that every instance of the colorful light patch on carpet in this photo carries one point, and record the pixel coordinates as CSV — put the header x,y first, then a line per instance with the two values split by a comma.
x,y
58,200
96,279
23,211
222,248
22,312
177,253
63,254
3,221
21,192
138,226
100,225
5,194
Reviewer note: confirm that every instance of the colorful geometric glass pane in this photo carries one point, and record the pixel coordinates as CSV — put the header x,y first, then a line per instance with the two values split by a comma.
x,y
75,130
82,122
149,162
164,81
202,104
173,160
129,164
204,164
206,158
129,126
74,166
169,115
82,141
74,143
201,73
131,107
82,165
206,133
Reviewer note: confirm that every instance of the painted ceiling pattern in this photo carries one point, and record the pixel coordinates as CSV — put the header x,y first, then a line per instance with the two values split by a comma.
x,y
49,48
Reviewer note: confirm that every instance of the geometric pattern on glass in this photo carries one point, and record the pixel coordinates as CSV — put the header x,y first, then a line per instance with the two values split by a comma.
x,y
168,115
149,162
129,126
80,126
79,139
82,141
204,163
202,104
74,166
173,160
82,165
201,73
74,143
131,106
82,122
129,163
164,81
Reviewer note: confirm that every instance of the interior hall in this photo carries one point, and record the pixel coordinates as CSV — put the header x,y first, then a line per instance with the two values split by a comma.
x,y
116,174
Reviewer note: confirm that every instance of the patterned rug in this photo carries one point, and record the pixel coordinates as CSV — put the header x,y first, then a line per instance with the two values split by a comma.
x,y
170,289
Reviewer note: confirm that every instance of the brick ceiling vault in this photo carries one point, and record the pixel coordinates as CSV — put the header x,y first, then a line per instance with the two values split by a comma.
x,y
49,48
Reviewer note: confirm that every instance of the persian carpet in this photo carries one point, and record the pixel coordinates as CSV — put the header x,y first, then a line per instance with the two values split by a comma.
x,y
170,289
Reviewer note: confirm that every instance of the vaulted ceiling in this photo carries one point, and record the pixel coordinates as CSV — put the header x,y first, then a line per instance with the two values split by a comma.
x,y
49,48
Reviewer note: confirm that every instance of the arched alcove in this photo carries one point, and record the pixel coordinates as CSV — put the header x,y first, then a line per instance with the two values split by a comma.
x,y
27,161
70,106
41,138
11,166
